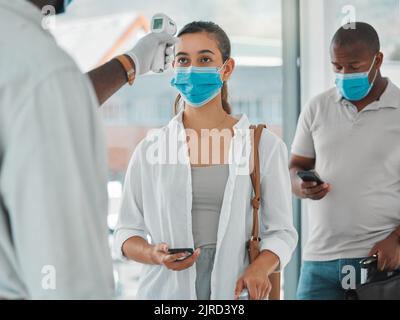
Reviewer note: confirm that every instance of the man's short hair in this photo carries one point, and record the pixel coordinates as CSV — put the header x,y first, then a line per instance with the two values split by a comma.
x,y
358,32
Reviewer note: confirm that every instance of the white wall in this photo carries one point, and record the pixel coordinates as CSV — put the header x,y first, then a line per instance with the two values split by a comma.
x,y
315,65
315,62
392,71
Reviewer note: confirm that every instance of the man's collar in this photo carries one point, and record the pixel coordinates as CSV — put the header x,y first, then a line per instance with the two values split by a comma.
x,y
390,98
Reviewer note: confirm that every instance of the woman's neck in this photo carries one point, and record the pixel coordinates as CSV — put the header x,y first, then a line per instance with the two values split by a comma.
x,y
208,116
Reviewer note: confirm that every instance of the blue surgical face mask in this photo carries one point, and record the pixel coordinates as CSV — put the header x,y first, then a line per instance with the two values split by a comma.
x,y
198,85
355,86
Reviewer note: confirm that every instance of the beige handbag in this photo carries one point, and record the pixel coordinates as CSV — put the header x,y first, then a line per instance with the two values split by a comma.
x,y
254,242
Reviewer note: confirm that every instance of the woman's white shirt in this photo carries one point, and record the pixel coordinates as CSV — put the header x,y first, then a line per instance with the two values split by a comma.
x,y
157,201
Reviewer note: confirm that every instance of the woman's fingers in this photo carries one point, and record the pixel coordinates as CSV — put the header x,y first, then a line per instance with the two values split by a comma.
x,y
158,252
253,291
239,288
266,291
172,263
258,290
188,262
169,258
162,247
261,290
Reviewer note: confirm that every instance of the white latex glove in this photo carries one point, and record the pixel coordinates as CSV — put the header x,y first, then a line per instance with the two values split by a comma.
x,y
144,52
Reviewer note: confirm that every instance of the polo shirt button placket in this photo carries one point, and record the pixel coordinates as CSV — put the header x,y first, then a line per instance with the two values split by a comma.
x,y
353,111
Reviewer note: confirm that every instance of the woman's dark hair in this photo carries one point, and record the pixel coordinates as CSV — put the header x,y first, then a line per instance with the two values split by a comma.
x,y
224,46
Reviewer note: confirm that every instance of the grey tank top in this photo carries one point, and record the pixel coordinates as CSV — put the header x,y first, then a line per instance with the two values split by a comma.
x,y
208,187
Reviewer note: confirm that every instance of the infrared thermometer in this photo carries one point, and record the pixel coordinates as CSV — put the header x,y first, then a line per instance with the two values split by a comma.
x,y
161,23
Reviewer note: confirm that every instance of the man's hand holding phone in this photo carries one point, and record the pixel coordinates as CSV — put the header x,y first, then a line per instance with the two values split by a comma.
x,y
312,186
174,259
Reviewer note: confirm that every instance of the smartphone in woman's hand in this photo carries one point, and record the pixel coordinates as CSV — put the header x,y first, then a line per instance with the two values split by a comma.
x,y
189,252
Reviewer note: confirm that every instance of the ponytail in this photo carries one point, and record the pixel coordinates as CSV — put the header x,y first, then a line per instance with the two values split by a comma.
x,y
224,95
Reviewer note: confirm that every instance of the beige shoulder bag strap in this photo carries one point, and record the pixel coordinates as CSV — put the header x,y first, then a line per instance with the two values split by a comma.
x,y
254,242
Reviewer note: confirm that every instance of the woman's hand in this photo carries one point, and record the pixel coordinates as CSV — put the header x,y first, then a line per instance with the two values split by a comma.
x,y
256,276
256,281
159,255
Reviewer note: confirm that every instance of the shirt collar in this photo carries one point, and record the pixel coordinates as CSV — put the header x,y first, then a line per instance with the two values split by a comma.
x,y
338,96
391,96
389,99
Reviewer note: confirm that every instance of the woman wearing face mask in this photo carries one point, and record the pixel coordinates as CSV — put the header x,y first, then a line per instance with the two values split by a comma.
x,y
188,186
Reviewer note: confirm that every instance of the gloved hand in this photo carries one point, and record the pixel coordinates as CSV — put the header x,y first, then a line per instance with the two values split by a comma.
x,y
144,52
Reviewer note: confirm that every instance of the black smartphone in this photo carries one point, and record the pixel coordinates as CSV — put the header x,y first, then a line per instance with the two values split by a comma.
x,y
365,263
181,250
310,176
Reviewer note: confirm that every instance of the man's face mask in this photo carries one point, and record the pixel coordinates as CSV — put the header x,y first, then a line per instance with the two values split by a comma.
x,y
355,86
64,6
198,85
